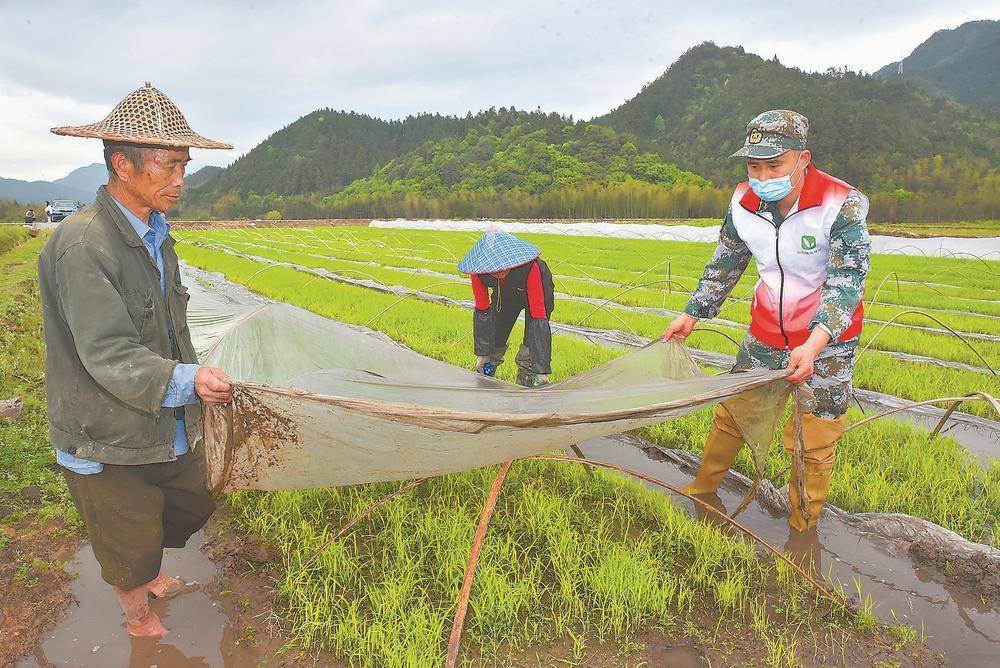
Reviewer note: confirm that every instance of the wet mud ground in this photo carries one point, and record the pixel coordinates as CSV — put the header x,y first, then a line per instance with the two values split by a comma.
x,y
955,623
232,619
203,632
229,621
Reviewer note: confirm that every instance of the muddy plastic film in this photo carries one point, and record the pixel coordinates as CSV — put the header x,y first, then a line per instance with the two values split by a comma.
x,y
318,403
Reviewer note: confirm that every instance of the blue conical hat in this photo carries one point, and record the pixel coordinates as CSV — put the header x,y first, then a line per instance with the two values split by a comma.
x,y
495,251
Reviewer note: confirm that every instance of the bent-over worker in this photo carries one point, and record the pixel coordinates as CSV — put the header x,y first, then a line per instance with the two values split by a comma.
x,y
520,281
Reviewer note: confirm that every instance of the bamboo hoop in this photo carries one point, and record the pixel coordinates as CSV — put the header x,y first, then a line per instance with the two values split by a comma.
x,y
470,569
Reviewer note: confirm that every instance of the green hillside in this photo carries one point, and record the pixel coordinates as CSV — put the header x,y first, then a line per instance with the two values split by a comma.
x,y
664,153
320,152
514,155
963,63
865,130
498,162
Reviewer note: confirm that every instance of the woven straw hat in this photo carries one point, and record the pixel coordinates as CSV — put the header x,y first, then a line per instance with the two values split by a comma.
x,y
145,116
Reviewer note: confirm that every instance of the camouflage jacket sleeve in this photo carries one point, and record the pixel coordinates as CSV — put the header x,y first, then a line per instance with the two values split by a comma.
x,y
721,274
850,252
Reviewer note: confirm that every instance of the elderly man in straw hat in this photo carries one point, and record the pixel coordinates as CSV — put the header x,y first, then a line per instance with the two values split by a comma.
x,y
121,375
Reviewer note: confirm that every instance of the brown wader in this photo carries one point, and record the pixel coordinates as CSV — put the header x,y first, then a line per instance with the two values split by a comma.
x,y
831,384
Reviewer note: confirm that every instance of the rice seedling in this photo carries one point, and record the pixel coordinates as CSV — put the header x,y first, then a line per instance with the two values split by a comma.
x,y
934,478
26,458
638,311
597,556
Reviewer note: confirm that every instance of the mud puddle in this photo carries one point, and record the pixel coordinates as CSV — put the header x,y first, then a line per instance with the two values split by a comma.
x,y
958,625
201,634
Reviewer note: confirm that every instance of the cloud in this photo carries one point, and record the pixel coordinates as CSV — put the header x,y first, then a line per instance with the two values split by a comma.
x,y
27,149
242,70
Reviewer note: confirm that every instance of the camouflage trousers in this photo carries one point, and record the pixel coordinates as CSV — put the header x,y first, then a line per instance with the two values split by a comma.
x,y
831,382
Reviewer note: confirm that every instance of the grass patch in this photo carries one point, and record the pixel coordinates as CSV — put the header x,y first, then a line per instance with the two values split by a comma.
x,y
12,235
966,228
26,457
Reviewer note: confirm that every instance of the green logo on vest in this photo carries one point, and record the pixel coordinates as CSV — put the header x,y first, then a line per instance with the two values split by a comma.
x,y
808,242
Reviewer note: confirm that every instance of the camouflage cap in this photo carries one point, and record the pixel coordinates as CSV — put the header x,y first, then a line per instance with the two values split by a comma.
x,y
772,133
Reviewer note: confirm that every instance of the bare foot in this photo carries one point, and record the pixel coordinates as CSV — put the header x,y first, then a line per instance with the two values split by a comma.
x,y
149,626
140,621
164,586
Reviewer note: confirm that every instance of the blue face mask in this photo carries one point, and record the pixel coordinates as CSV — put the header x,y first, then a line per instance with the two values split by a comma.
x,y
775,189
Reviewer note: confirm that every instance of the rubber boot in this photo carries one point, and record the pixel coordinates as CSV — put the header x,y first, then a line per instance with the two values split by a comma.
x,y
819,442
723,444
707,516
140,621
805,549
525,368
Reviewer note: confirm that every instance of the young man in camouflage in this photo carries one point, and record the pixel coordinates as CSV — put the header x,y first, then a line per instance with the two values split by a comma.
x,y
806,231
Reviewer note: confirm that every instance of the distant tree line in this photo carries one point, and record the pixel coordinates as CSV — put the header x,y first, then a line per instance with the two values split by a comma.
x,y
13,212
935,191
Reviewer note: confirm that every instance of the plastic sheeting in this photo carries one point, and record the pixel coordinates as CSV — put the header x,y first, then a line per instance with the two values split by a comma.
x,y
987,248
319,403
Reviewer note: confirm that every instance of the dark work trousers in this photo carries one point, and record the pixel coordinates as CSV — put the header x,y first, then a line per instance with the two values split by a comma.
x,y
133,512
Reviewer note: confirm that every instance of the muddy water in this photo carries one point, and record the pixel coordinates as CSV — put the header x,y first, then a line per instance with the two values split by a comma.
x,y
91,633
959,626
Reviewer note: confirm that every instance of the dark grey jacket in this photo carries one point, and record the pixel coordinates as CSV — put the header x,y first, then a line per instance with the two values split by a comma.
x,y
108,358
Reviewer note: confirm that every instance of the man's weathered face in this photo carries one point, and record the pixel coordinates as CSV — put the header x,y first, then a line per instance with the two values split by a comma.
x,y
782,165
158,181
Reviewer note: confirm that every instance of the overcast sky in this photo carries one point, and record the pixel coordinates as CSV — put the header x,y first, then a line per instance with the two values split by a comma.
x,y
241,70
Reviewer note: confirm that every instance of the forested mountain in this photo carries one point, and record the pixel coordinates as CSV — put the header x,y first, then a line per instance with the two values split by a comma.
x,y
520,151
963,63
322,152
494,161
662,153
197,178
865,130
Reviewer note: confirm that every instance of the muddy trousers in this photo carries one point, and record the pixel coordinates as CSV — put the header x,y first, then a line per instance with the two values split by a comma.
x,y
133,512
831,385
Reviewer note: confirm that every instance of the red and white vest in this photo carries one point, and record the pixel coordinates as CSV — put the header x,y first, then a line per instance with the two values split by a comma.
x,y
791,259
